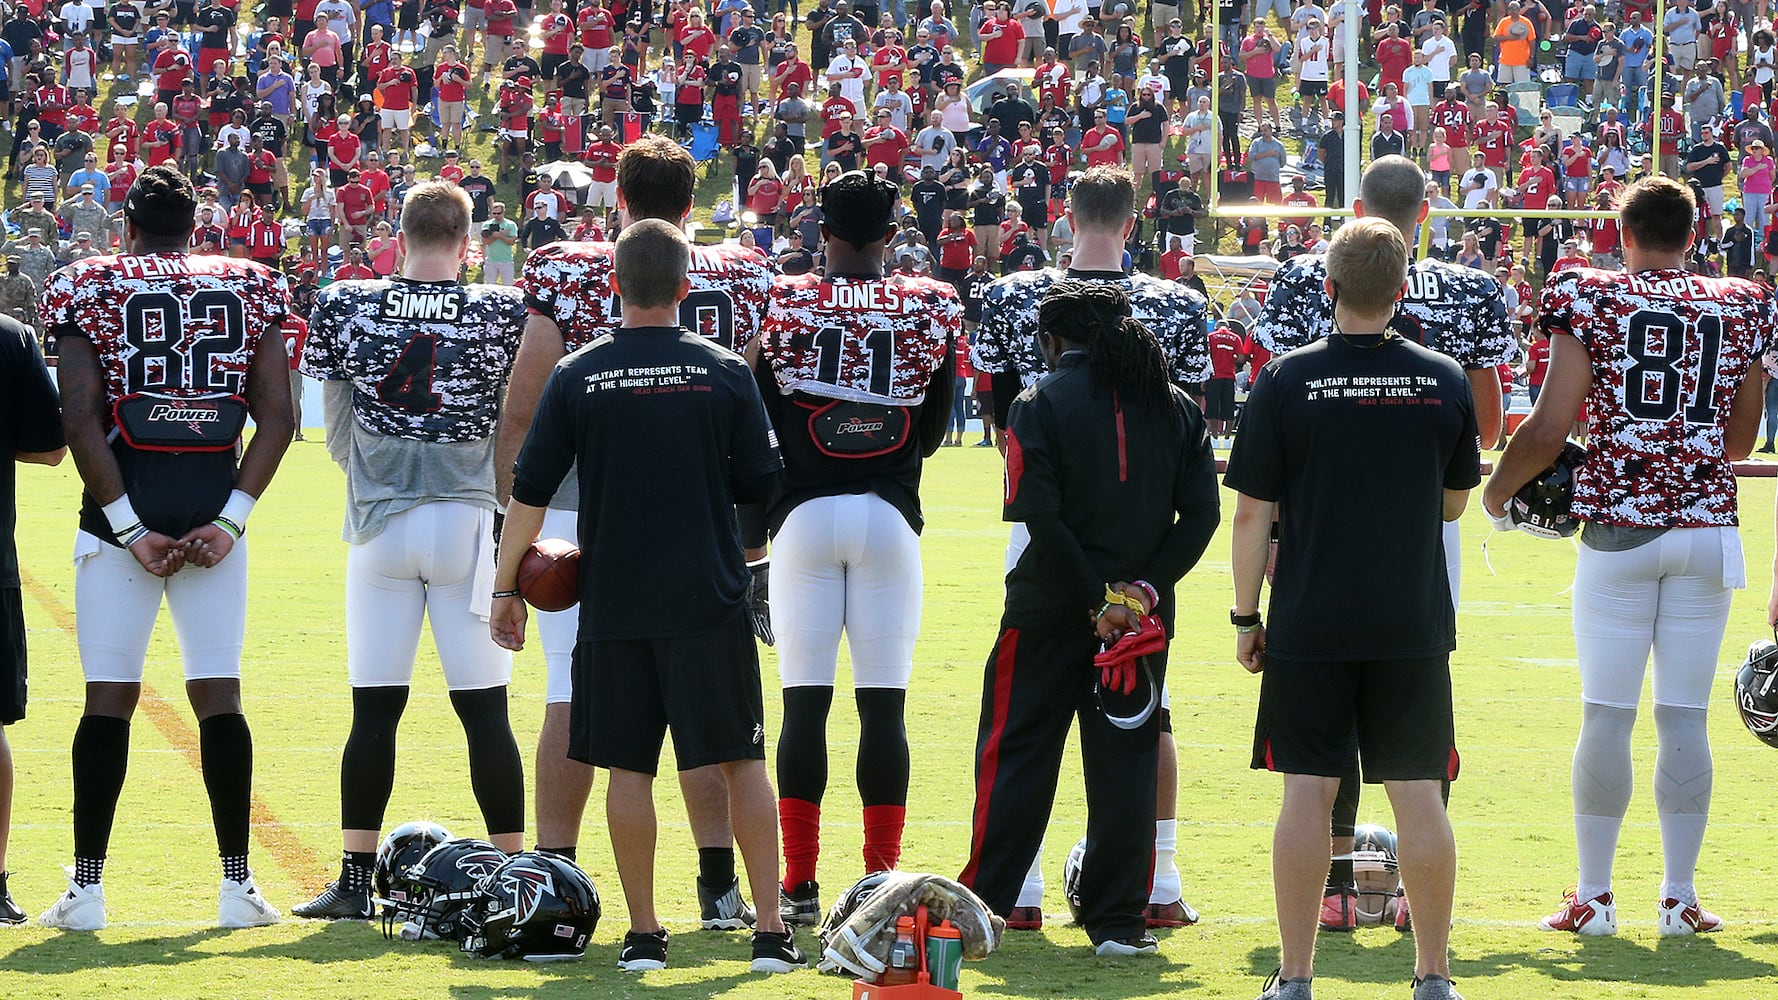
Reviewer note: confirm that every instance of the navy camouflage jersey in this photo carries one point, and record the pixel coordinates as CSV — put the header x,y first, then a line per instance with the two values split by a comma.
x,y
428,361
1006,340
1455,310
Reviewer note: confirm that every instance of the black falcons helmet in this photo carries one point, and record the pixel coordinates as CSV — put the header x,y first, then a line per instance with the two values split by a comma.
x,y
404,846
1071,878
849,902
1376,874
537,906
1756,691
1542,506
444,882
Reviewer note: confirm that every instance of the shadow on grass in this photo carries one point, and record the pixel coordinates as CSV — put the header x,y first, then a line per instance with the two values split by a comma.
x,y
1678,961
1035,965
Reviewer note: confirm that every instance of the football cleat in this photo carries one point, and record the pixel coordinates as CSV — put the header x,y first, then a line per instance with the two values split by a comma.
x,y
336,903
1436,988
1339,910
643,952
1404,922
1686,918
1593,917
1025,918
9,910
777,953
239,904
81,908
801,906
1279,988
1178,913
1142,944
726,910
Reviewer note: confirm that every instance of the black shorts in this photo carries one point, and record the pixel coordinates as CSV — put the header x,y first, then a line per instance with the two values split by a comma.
x,y
704,687
1400,709
1219,399
1262,86
1312,88
12,656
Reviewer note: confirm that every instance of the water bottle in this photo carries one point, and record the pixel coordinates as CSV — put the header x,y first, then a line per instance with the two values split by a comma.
x,y
904,967
944,955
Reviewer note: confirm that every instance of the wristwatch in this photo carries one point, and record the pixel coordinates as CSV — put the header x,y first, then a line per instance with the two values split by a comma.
x,y
1242,621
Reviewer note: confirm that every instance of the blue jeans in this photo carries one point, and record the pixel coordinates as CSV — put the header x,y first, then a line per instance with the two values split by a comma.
x,y
959,408
1771,407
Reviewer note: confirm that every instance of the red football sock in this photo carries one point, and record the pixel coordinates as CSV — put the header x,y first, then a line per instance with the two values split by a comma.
x,y
800,822
882,836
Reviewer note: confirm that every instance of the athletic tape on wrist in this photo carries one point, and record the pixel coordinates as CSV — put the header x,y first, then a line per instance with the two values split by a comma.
x,y
123,520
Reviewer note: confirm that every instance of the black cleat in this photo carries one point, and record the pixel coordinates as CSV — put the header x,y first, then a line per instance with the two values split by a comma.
x,y
336,903
801,906
777,953
9,910
724,910
643,952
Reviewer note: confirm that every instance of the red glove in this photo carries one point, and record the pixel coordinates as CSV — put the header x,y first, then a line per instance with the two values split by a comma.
x,y
1117,664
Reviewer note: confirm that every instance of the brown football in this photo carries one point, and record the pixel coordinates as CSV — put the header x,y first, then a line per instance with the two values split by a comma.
x,y
549,575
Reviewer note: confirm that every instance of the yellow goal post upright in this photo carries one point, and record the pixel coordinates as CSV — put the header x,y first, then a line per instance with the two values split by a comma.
x,y
1354,12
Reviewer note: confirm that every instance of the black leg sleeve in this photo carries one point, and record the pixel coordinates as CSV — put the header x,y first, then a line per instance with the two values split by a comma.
x,y
226,746
882,747
1345,817
367,767
101,756
802,744
495,771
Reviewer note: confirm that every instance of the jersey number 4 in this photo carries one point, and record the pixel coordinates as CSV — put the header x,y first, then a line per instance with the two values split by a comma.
x,y
175,345
1653,388
408,385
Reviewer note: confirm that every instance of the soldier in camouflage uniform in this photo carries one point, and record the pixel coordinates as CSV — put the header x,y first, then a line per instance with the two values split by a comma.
x,y
36,258
18,295
34,216
85,213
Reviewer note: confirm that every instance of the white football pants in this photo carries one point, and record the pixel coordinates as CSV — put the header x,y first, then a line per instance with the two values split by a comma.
x,y
116,602
559,630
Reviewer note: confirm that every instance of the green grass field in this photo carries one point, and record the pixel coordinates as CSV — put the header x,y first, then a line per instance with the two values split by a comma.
x,y
1517,719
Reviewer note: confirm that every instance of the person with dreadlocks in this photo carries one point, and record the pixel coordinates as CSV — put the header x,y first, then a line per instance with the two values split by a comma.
x,y
1109,467
1374,659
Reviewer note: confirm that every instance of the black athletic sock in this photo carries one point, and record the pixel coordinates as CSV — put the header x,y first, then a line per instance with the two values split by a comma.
x,y
882,747
101,756
234,868
496,772
1343,821
566,852
802,744
356,868
226,747
716,866
367,767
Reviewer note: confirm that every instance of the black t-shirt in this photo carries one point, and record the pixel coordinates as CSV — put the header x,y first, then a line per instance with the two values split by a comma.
x,y
727,78
30,420
273,132
213,24
1488,235
1307,442
573,78
929,206
1118,480
944,73
126,18
480,188
975,289
617,406
1711,175
990,206
1148,129
843,147
1030,183
525,65
1737,244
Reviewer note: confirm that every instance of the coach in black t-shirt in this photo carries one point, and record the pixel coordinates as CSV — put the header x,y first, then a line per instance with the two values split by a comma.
x,y
1344,657
665,641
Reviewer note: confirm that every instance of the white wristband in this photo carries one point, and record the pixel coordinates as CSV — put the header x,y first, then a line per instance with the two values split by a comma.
x,y
233,518
123,520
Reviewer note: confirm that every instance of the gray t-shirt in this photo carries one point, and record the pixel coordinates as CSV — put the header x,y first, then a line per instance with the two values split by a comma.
x,y
1265,168
386,475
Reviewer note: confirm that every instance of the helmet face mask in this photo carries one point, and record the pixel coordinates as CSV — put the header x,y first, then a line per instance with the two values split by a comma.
x,y
1376,874
848,904
1543,506
1071,878
400,851
441,885
1756,691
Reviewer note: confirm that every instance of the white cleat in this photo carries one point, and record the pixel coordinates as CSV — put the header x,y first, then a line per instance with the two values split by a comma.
x,y
81,908
1596,917
239,904
1678,918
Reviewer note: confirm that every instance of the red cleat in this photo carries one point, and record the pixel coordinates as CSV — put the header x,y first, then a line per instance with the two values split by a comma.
x,y
1025,918
1339,910
1178,913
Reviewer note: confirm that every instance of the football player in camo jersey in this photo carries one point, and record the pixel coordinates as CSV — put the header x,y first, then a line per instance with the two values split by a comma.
x,y
165,355
569,293
413,369
1005,345
1665,362
857,370
1455,310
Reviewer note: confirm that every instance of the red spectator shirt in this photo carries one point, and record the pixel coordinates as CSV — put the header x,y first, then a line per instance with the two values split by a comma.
x,y
1225,353
500,14
343,149
697,41
452,81
165,132
558,33
1536,184
1452,115
1569,263
889,56
1257,355
595,28
830,114
169,75
400,96
355,201
1394,55
1495,139
1537,362
1114,154
1000,42
52,105
261,166
602,158
890,150
956,249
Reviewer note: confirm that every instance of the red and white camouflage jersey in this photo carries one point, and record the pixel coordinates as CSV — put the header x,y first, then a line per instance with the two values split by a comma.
x,y
860,340
1669,350
168,324
570,283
